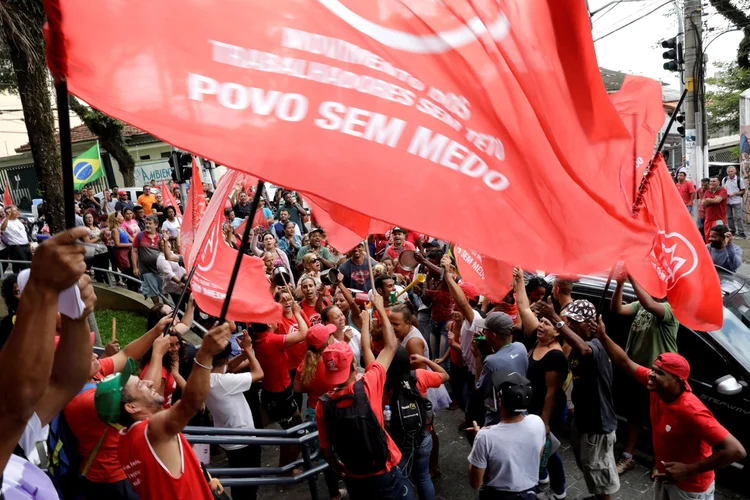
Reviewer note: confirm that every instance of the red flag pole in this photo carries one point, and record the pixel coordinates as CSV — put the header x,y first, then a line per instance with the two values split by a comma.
x,y
241,251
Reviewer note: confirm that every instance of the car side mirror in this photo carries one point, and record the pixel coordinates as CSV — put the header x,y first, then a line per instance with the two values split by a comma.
x,y
728,385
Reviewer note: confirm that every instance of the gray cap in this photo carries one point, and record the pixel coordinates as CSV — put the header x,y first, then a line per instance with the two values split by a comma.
x,y
499,322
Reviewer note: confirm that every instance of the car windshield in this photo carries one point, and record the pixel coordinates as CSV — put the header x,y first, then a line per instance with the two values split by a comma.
x,y
734,335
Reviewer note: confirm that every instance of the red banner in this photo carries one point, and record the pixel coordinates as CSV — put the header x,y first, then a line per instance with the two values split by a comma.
x,y
194,210
344,228
679,266
493,277
7,199
214,261
392,109
169,200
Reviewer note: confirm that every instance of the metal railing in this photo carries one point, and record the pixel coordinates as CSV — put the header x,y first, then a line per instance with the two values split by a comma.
x,y
196,326
304,435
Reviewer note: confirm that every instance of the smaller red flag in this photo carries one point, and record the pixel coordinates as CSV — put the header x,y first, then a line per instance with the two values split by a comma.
x,y
194,211
493,277
679,265
344,227
169,200
251,299
7,199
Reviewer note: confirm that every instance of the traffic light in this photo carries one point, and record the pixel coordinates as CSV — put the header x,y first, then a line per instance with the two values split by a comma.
x,y
181,164
673,55
680,119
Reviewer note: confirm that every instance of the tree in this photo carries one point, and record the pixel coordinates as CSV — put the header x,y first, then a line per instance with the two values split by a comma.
x,y
737,14
21,24
723,96
109,132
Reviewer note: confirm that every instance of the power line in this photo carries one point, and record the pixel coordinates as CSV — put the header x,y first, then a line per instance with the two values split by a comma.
x,y
634,20
627,17
602,14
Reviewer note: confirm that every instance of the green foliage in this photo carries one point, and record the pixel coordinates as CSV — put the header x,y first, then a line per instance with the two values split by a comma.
x,y
723,96
130,325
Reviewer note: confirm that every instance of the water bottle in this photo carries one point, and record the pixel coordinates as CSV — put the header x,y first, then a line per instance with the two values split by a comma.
x,y
387,414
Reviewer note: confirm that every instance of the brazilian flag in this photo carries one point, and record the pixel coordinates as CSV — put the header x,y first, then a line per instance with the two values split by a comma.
x,y
87,167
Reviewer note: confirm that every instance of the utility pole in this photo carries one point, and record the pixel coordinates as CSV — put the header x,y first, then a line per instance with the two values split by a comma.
x,y
695,146
680,45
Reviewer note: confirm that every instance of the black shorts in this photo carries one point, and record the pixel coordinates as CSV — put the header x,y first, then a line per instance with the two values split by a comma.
x,y
281,406
638,401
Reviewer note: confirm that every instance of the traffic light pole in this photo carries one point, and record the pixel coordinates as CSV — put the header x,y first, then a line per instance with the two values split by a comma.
x,y
694,133
681,38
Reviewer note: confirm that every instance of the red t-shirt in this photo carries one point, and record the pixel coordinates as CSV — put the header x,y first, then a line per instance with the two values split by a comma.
x,y
85,425
296,353
686,190
312,316
270,350
393,253
316,387
717,211
170,384
442,304
456,357
427,379
150,478
374,382
413,237
699,197
683,431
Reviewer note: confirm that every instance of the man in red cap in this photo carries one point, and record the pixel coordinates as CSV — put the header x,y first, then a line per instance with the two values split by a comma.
x,y
689,443
351,425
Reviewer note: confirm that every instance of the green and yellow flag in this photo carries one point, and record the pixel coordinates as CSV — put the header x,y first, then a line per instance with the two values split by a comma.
x,y
87,167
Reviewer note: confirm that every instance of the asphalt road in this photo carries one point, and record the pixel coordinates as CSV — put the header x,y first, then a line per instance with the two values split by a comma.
x,y
454,484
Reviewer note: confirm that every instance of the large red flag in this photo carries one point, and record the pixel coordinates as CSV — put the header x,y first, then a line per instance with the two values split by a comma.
x,y
169,200
679,266
432,115
493,277
194,210
7,199
214,261
344,228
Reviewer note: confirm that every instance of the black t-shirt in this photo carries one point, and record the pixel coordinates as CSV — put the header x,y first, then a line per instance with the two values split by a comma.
x,y
87,204
242,211
159,208
553,361
592,390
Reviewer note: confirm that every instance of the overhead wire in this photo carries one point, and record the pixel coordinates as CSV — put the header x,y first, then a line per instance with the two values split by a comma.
x,y
633,21
626,17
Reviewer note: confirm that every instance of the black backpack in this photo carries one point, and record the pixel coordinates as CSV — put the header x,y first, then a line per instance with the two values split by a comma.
x,y
355,433
410,415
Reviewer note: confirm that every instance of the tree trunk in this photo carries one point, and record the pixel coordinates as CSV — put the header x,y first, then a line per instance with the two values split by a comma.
x,y
31,73
109,132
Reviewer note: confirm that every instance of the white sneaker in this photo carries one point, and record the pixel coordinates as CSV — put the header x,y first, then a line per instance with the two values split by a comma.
x,y
545,480
551,495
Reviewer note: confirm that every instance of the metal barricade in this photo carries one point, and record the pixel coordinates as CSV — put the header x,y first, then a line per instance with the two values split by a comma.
x,y
304,435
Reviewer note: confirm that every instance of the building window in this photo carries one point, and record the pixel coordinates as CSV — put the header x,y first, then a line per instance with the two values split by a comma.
x,y
145,157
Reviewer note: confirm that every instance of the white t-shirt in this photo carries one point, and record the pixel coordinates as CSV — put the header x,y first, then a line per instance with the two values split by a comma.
x,y
168,269
467,336
16,233
22,479
355,344
172,227
510,453
228,405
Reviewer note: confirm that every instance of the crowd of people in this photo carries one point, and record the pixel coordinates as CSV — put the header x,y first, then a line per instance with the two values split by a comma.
x,y
373,363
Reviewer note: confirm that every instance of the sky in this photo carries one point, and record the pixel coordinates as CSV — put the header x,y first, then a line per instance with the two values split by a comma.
x,y
637,49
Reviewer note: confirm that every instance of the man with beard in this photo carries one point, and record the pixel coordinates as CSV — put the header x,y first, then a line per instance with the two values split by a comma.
x,y
715,206
723,252
399,245
296,211
156,457
356,271
278,228
689,443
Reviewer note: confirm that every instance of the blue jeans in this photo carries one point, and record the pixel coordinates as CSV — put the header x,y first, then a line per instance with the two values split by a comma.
x,y
393,485
420,468
438,338
556,473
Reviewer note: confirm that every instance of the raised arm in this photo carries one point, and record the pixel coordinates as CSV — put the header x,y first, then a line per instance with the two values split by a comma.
x,y
247,349
616,353
418,359
186,323
646,300
353,306
546,310
72,358
153,372
616,305
389,337
166,424
140,346
459,299
28,355
365,339
301,333
530,323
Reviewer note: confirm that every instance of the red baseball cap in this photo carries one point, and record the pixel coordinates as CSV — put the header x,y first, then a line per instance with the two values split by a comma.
x,y
337,359
675,364
318,335
470,290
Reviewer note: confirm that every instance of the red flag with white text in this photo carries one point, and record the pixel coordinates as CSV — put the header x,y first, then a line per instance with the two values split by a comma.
x,y
169,200
493,277
431,115
679,266
194,210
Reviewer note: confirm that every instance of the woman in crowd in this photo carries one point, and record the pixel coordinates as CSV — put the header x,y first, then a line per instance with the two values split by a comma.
x,y
344,300
172,225
268,243
94,240
121,244
547,371
332,315
290,243
129,223
313,299
390,270
290,322
311,268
